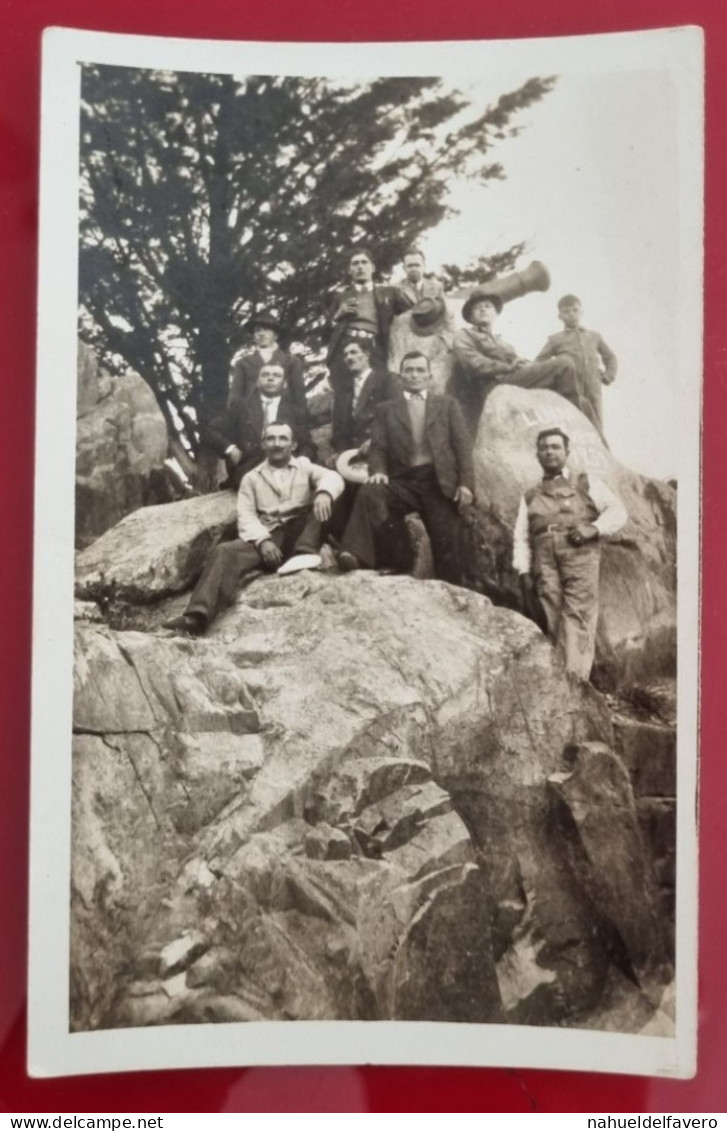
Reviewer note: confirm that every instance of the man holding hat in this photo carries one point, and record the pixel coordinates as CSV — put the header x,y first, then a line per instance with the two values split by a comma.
x,y
247,363
416,284
484,360
557,549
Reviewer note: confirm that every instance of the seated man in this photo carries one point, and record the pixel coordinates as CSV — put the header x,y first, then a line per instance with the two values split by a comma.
x,y
420,460
281,508
236,436
247,363
483,361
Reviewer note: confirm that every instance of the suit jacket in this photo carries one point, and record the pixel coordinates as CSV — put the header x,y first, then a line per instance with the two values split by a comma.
x,y
352,426
242,424
430,287
246,367
387,301
449,440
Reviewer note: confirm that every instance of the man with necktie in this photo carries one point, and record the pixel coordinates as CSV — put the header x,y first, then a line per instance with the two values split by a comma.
x,y
236,436
420,460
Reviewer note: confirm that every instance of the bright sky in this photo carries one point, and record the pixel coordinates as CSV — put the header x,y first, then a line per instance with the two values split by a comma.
x,y
591,185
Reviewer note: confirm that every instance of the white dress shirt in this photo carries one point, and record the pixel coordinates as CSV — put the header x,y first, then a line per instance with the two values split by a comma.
x,y
612,516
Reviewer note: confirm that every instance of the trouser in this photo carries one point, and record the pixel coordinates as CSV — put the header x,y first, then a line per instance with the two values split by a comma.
x,y
377,535
230,561
566,581
562,375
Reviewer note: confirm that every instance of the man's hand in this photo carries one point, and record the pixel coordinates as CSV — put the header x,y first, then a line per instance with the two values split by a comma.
x,y
270,553
323,506
378,477
584,532
348,308
464,499
234,454
364,449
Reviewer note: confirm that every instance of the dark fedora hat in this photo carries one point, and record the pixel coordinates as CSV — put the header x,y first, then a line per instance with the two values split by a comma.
x,y
264,318
478,295
427,312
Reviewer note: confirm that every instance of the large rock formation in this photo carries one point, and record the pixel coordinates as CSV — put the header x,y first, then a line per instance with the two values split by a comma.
x,y
637,627
121,445
369,797
350,800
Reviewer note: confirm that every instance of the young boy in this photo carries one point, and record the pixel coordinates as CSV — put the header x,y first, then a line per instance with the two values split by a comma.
x,y
595,362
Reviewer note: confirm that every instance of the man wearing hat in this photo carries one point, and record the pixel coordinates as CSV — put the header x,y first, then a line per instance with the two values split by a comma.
x,y
247,363
362,310
557,549
236,435
483,360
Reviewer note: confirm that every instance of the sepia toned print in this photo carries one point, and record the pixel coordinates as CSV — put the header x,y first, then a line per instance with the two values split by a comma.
x,y
375,597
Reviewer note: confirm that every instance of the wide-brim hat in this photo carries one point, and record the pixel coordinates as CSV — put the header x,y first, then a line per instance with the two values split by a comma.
x,y
427,312
264,318
477,295
352,466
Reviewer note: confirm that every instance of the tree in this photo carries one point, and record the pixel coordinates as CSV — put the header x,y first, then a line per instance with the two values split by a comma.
x,y
206,197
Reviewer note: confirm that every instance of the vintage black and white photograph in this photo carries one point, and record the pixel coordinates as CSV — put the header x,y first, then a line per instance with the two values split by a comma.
x,y
374,380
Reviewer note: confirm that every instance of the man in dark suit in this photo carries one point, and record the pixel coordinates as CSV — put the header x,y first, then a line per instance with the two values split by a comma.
x,y
357,396
361,310
420,460
247,363
236,436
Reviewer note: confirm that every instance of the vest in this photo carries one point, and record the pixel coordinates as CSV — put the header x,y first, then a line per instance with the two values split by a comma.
x,y
560,501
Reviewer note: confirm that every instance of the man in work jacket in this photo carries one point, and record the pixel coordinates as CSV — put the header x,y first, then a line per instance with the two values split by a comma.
x,y
557,549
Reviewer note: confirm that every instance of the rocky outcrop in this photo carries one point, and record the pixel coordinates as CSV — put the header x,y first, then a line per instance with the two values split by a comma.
x,y
121,445
348,800
155,551
636,640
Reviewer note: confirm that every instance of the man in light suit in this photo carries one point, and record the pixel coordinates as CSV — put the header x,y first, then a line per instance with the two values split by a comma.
x,y
236,436
417,285
420,460
282,507
362,310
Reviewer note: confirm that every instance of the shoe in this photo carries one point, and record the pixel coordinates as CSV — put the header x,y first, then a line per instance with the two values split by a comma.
x,y
299,562
348,562
192,624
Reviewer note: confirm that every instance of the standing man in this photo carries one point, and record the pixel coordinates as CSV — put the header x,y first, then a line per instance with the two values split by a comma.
x,y
417,285
281,508
557,549
420,460
361,310
247,363
595,362
236,436
484,360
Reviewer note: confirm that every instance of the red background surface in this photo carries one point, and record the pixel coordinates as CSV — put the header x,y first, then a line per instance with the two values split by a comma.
x,y
334,1089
